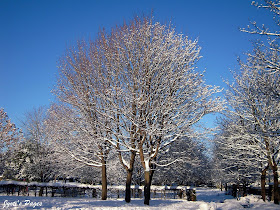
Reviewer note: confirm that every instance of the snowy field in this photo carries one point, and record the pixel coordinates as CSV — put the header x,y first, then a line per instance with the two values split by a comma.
x,y
206,199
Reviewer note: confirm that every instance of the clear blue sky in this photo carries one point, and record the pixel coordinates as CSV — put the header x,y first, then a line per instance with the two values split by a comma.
x,y
34,34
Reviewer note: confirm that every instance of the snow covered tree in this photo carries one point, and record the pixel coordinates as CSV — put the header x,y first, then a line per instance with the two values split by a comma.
x,y
30,162
9,138
116,174
33,124
266,57
236,157
32,158
254,112
271,34
9,134
189,167
167,94
139,90
74,136
156,93
254,28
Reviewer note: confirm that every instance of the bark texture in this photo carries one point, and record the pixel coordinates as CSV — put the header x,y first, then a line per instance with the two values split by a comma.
x,y
127,186
147,188
104,181
263,176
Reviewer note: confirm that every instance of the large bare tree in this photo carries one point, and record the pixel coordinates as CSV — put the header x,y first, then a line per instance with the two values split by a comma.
x,y
167,95
153,91
138,90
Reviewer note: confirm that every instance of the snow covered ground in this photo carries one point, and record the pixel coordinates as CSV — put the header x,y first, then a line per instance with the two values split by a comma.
x,y
206,199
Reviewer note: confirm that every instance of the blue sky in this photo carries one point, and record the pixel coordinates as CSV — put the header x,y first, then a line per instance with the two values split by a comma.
x,y
34,34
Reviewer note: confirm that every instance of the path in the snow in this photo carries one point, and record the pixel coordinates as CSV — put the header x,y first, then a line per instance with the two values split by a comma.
x,y
211,195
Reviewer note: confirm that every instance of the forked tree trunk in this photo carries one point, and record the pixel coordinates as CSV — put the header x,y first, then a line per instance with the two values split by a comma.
x,y
127,186
147,188
104,181
263,176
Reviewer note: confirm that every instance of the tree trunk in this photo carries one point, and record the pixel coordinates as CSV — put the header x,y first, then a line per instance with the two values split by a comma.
x,y
263,176
147,188
152,174
226,187
275,186
127,186
273,166
244,189
104,181
41,191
